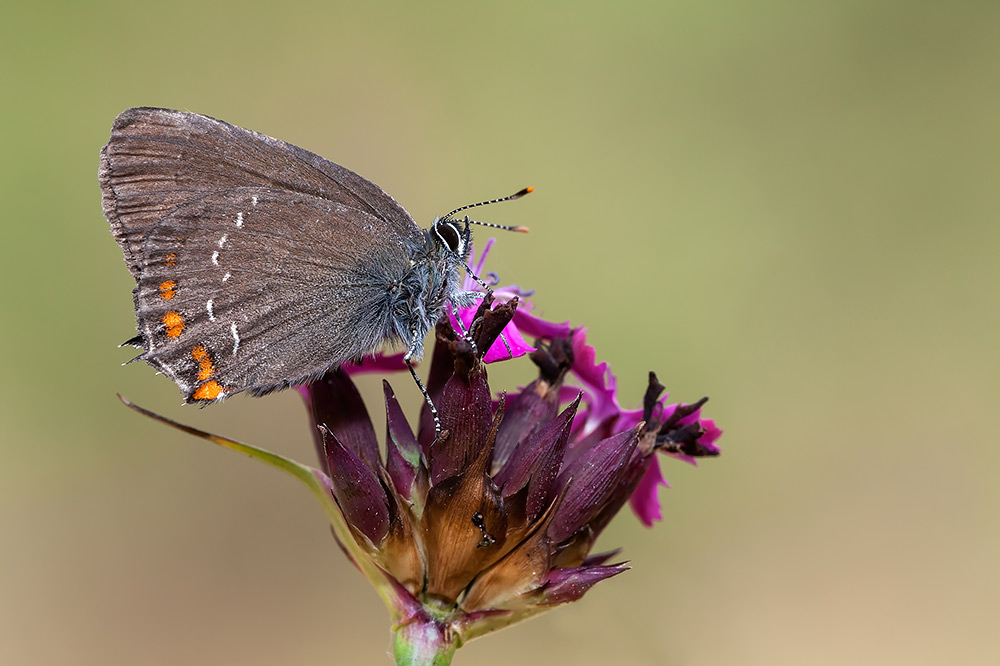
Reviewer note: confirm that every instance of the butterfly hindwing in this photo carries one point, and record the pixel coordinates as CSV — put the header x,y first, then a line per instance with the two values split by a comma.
x,y
257,288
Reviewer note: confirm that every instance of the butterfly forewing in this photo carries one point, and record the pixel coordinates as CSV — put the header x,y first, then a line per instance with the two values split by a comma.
x,y
158,159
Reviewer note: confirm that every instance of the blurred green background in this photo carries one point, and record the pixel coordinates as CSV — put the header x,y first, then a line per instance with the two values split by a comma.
x,y
789,207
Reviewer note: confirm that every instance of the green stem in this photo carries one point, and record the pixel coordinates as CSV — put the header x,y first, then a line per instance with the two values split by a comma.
x,y
423,642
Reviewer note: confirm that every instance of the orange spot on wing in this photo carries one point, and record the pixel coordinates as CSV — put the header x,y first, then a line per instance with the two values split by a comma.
x,y
174,324
167,289
171,259
208,391
205,367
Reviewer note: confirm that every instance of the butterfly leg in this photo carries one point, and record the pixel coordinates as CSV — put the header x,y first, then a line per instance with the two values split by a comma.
x,y
423,389
506,345
480,281
465,333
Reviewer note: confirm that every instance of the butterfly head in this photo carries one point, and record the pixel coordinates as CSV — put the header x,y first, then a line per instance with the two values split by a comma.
x,y
452,237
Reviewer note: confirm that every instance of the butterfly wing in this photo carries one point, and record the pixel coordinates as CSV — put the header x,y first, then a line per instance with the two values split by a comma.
x,y
158,159
257,264
225,304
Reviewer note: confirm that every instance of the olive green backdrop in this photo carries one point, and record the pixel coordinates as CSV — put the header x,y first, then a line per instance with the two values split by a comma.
x,y
790,207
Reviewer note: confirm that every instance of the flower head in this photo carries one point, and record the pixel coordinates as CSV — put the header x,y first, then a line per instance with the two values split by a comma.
x,y
493,519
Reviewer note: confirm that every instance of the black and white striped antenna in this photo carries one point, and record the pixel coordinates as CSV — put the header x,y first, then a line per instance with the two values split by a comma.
x,y
516,195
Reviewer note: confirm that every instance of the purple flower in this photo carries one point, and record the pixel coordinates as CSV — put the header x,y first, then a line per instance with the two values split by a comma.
x,y
493,520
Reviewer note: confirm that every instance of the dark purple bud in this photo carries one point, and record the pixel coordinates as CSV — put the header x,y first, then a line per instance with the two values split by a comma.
x,y
535,463
334,401
403,456
455,358
442,366
466,411
357,490
565,585
538,403
631,475
590,480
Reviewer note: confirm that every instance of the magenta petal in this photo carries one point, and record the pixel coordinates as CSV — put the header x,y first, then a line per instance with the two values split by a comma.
x,y
376,363
599,382
601,386
645,500
712,433
569,584
536,327
518,346
498,350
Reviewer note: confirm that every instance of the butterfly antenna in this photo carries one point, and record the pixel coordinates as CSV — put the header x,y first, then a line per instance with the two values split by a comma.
x,y
516,195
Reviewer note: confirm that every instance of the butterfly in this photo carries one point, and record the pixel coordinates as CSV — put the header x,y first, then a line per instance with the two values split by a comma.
x,y
260,265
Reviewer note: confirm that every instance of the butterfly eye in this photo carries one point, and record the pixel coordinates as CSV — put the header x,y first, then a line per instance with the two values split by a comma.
x,y
450,236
